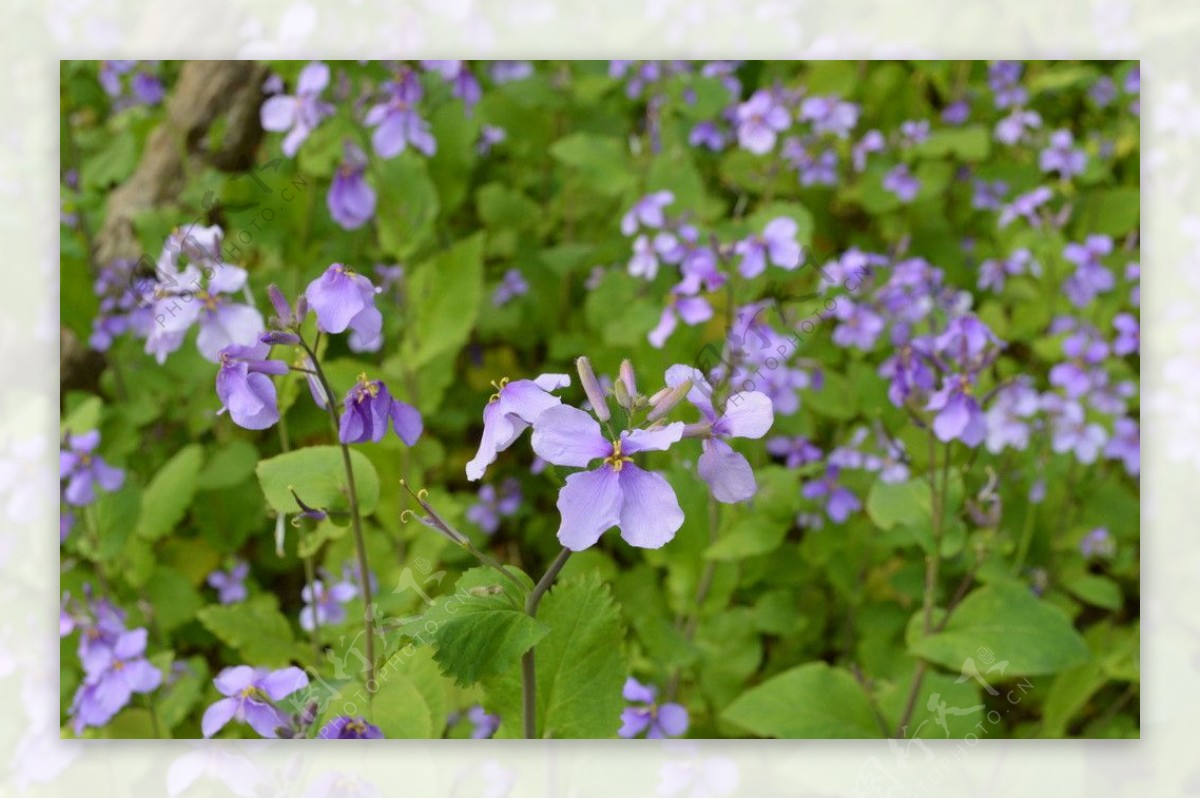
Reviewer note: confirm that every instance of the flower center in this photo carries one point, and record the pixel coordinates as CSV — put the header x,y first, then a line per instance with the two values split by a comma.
x,y
367,389
616,460
499,386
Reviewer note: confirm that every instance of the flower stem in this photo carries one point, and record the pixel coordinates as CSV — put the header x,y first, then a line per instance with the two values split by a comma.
x,y
528,665
360,543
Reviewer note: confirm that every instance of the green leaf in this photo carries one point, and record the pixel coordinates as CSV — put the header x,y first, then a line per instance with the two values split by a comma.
x,y
256,629
445,295
399,708
116,517
408,203
1032,636
318,476
602,161
1103,592
173,598
810,701
229,466
581,666
1113,211
166,499
970,143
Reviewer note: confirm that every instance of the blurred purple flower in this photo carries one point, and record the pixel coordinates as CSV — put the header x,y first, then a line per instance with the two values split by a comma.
x,y
646,714
1126,445
343,298
489,137
1003,77
230,585
349,727
989,195
759,120
325,606
647,212
1062,156
511,286
830,115
900,182
1128,335
777,244
871,142
1025,206
693,311
492,505
299,115
351,199
1097,544
1011,129
483,724
249,694
796,451
957,112
840,502
84,470
111,678
396,121
958,414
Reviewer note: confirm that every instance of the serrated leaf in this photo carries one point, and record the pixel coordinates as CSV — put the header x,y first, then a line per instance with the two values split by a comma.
x,y
256,629
1031,636
318,476
167,498
810,701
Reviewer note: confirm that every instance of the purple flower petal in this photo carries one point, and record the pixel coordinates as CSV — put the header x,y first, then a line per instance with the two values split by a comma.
x,y
727,472
218,714
748,414
650,512
590,503
657,439
567,436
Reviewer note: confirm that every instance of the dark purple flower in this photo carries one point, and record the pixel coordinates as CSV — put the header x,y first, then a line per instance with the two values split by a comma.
x,y
617,492
351,199
840,502
759,120
111,678
396,121
367,409
244,387
301,114
249,694
83,469
494,506
646,714
230,585
343,298
902,183
349,727
777,244
513,408
1062,156
958,414
325,605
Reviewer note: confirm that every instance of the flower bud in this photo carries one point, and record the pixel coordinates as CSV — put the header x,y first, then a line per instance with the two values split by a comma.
x,y
279,303
278,337
591,387
669,401
626,375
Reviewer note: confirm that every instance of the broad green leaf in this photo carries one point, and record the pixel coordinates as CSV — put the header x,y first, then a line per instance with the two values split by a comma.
x,y
408,203
1103,592
970,143
602,161
169,494
815,700
318,476
255,629
229,466
173,599
1114,211
445,292
116,517
399,708
1028,635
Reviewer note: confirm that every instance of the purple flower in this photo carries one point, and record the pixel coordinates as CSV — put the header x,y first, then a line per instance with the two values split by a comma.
x,y
958,414
514,407
349,727
747,414
666,720
830,115
1128,335
1007,424
915,131
957,112
323,605
84,470
343,298
248,694
230,585
1012,128
513,285
647,212
494,506
840,502
299,115
1097,544
693,311
111,678
1071,431
1126,445
1062,156
860,325
777,244
644,262
900,182
617,492
368,407
489,137
707,134
351,199
989,195
871,142
396,121
122,307
994,271
510,71
1002,78
463,84
759,120
1103,91
967,342
197,294
244,388
796,451
1025,205
483,724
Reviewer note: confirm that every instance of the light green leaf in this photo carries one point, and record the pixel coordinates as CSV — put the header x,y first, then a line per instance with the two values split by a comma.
x,y
408,203
1029,635
810,701
970,143
602,161
167,498
256,629
319,478
445,294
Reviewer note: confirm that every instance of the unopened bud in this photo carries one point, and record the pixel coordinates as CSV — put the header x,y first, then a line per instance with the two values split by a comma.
x,y
697,430
279,303
669,401
591,387
626,375
278,337
622,395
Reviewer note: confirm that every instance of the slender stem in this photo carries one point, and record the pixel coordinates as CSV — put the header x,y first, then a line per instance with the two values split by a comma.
x,y
528,665
862,681
310,572
691,622
360,543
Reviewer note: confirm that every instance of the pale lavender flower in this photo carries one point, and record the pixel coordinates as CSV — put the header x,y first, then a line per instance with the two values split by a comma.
x,y
1003,77
914,131
1008,417
513,285
343,298
249,694
493,505
1128,334
513,408
1025,206
840,502
396,121
1071,431
902,183
84,470
647,212
510,71
1013,127
692,310
230,584
958,414
860,325
644,261
759,121
351,200
646,714
489,137
111,679
1126,445
483,724
325,605
989,195
957,112
830,115
299,115
1097,544
708,134
1103,91
244,385
1062,156
796,451
994,271
463,83
777,244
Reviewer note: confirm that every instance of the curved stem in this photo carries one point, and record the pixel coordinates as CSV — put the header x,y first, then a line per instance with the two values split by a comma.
x,y
528,664
360,543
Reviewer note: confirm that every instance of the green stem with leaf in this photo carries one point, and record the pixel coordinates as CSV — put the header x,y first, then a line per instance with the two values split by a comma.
x,y
528,664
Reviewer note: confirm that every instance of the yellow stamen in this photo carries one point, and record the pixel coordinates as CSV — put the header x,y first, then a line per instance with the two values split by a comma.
x,y
616,460
499,386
